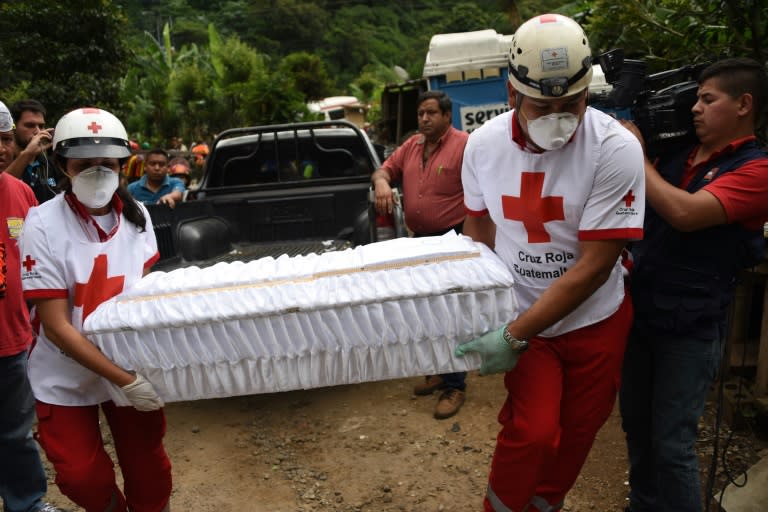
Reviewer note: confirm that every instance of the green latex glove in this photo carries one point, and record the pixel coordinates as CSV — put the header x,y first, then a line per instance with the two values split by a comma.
x,y
496,354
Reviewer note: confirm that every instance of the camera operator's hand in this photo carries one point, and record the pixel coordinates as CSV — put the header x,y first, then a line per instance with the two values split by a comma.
x,y
39,142
632,127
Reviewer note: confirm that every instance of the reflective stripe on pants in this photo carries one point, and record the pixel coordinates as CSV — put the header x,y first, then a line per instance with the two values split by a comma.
x,y
537,501
495,502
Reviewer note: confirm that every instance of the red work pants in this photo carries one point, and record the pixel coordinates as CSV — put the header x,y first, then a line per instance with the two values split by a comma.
x,y
72,441
558,396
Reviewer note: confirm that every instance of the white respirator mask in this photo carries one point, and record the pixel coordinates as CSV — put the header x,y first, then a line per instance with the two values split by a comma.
x,y
552,131
95,186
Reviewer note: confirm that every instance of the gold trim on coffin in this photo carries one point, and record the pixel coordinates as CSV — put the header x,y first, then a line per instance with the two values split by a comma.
x,y
307,279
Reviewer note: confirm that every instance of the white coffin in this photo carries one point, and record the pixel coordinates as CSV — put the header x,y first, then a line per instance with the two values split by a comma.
x,y
382,311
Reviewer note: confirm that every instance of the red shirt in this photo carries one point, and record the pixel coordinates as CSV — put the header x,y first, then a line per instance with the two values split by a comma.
x,y
743,192
432,192
16,198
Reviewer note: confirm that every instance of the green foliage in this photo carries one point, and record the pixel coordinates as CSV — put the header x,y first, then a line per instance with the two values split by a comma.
x,y
347,44
146,105
63,67
308,74
238,68
187,88
16,92
672,33
293,24
365,85
195,67
468,16
186,31
272,99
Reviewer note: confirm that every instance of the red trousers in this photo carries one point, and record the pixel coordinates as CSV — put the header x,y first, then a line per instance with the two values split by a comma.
x,y
561,392
72,441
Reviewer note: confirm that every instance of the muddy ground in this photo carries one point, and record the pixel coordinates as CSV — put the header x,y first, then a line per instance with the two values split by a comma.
x,y
369,447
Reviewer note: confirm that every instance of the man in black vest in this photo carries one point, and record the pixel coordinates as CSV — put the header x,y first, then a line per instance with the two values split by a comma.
x,y
704,224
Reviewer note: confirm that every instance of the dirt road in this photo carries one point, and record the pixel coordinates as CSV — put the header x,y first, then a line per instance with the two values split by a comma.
x,y
355,448
367,447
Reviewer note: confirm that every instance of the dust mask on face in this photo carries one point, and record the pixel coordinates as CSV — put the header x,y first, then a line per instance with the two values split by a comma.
x,y
552,131
95,186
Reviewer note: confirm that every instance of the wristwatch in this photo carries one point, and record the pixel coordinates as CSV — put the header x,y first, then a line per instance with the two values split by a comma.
x,y
516,344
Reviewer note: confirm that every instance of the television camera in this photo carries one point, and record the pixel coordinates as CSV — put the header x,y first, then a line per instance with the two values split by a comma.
x,y
659,104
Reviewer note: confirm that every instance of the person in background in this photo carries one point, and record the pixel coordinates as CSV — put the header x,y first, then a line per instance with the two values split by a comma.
x,y
156,187
177,144
78,250
428,165
556,189
179,168
200,153
23,483
133,167
707,206
8,150
33,140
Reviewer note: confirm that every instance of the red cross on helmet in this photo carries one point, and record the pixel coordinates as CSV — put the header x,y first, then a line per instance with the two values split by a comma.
x,y
550,57
90,133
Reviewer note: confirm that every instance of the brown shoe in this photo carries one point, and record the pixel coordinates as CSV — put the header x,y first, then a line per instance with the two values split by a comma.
x,y
449,403
429,386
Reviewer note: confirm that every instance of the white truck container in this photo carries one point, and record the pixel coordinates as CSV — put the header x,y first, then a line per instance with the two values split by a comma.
x,y
471,67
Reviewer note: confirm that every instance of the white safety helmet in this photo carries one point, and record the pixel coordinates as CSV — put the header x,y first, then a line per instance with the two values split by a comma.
x,y
6,119
90,133
549,57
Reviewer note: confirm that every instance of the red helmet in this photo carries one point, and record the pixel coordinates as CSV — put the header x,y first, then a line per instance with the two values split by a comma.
x,y
177,169
178,166
200,149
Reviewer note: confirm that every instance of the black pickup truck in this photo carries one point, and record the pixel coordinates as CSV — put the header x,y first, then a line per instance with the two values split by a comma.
x,y
271,190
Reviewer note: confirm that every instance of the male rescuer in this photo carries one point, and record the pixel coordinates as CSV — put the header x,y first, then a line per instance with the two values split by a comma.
x,y
556,188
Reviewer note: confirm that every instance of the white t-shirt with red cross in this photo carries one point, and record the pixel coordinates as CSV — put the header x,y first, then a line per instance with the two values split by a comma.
x,y
63,256
544,204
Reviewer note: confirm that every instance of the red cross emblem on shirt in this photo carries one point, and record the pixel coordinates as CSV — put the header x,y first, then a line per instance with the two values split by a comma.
x,y
628,199
99,287
28,263
94,127
532,209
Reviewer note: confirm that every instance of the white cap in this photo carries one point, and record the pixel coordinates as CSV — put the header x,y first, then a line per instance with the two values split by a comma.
x,y
6,119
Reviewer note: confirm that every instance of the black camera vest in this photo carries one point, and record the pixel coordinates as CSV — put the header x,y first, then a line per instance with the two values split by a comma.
x,y
683,282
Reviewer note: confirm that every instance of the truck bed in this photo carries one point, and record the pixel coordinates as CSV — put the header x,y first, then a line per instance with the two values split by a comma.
x,y
248,252
273,190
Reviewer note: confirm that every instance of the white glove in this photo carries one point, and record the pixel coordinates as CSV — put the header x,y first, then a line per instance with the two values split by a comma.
x,y
142,395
